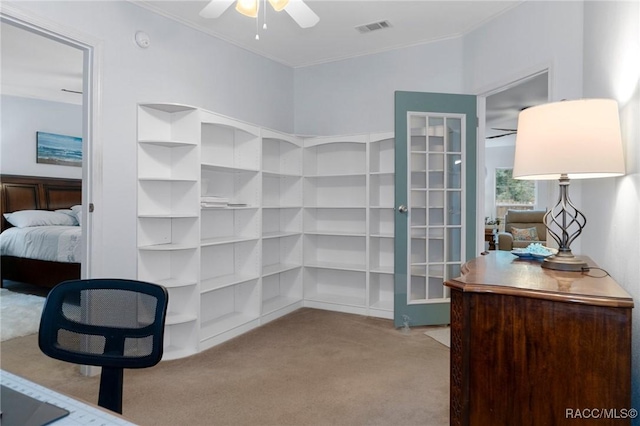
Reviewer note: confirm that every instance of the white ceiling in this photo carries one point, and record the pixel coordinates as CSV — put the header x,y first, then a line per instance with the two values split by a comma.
x,y
335,37
502,108
34,66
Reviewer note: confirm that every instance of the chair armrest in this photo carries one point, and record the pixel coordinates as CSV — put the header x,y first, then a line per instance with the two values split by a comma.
x,y
505,241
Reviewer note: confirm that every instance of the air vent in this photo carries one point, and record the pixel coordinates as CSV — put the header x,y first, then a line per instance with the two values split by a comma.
x,y
367,28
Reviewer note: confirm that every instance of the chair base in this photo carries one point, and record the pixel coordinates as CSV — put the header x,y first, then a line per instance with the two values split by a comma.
x,y
110,396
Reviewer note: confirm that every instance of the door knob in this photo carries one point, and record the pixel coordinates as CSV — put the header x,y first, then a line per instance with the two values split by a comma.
x,y
402,208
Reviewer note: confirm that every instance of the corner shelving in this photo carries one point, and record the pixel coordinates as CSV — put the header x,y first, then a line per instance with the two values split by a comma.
x,y
243,224
168,220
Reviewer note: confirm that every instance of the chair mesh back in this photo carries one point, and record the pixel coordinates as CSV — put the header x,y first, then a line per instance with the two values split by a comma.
x,y
107,308
108,325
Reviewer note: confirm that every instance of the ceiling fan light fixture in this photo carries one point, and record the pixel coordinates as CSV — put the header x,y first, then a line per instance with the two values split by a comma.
x,y
248,7
278,5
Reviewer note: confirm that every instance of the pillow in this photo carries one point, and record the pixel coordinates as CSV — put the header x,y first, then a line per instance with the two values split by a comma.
x,y
526,234
25,218
71,214
77,212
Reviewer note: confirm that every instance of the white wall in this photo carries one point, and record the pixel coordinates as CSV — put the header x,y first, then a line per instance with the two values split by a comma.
x,y
181,65
357,95
21,118
612,206
529,37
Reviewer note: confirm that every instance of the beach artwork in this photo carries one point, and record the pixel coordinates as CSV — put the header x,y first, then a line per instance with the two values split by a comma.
x,y
59,149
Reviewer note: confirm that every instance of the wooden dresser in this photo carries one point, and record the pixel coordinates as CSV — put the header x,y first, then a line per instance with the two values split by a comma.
x,y
531,346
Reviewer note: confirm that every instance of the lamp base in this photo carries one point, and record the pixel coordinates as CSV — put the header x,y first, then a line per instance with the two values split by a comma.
x,y
565,263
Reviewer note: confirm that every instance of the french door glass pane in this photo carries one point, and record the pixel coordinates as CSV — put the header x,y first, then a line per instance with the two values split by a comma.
x,y
418,198
454,208
435,250
418,179
454,139
454,242
454,171
436,134
418,161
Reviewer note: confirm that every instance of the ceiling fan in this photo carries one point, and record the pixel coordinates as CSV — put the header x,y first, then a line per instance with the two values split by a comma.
x,y
297,9
507,133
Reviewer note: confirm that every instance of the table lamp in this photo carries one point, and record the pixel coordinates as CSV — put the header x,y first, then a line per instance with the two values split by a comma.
x,y
568,140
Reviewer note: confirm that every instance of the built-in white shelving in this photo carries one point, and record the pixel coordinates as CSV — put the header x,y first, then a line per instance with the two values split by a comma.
x,y
229,228
282,187
243,225
380,224
168,216
348,223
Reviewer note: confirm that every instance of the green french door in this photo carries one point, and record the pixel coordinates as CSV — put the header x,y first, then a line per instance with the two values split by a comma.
x,y
435,201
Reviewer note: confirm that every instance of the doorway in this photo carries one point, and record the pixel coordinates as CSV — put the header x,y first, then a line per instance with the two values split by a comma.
x,y
502,107
75,83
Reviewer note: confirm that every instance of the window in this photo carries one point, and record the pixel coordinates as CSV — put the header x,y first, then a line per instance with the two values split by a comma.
x,y
512,194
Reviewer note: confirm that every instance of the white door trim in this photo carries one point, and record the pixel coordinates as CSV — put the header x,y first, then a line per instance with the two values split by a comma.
x,y
91,107
482,95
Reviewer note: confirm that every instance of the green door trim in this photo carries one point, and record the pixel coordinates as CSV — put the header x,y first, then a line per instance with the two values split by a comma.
x,y
437,313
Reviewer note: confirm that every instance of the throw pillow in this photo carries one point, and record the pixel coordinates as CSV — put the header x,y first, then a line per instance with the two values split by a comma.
x,y
526,234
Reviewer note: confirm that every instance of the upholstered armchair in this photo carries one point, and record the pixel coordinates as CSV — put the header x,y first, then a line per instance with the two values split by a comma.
x,y
521,228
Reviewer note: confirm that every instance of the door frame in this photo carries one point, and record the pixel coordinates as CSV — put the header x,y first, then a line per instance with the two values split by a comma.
x,y
482,94
91,48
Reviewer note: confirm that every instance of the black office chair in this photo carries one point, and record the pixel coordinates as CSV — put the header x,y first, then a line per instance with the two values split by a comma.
x,y
110,323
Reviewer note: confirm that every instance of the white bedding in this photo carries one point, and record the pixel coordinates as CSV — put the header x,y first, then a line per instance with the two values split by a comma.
x,y
53,243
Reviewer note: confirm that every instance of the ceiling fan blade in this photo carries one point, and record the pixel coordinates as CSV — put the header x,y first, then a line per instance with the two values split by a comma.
x,y
215,8
504,130
301,13
500,136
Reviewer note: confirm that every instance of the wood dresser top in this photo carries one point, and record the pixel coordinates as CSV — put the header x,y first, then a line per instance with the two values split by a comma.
x,y
500,272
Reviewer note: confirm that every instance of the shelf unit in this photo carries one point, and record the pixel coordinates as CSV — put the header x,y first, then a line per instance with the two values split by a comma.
x,y
348,223
281,224
168,218
243,224
230,228
381,223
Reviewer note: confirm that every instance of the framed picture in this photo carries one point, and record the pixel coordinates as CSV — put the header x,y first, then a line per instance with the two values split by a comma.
x,y
59,149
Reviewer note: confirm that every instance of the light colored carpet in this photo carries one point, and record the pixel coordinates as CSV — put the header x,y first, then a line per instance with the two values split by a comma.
x,y
20,314
311,367
440,334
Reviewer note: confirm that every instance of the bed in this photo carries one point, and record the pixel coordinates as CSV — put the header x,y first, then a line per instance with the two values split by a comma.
x,y
27,257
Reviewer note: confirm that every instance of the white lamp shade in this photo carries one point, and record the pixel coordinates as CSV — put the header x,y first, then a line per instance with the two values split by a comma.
x,y
578,138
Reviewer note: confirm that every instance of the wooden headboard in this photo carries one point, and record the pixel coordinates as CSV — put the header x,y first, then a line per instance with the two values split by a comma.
x,y
37,193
